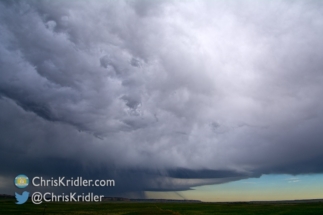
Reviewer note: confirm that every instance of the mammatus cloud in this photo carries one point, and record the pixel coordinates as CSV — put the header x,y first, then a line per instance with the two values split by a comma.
x,y
165,94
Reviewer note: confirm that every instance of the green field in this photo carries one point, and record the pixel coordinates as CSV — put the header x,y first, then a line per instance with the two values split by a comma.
x,y
134,208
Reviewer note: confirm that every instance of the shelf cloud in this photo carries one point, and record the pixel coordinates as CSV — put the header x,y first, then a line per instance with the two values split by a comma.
x,y
162,95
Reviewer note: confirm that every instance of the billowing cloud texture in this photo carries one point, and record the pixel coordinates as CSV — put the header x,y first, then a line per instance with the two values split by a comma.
x,y
161,95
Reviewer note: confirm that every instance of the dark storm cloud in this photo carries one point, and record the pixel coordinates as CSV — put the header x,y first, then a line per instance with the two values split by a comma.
x,y
160,95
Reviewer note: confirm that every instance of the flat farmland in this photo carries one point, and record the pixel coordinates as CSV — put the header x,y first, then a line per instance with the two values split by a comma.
x,y
151,208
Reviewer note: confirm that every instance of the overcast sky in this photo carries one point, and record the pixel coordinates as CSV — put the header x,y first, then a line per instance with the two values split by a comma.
x,y
160,95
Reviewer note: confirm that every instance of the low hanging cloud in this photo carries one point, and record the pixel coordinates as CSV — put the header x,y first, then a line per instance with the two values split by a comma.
x,y
161,95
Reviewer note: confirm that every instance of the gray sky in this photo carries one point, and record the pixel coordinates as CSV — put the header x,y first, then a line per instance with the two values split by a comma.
x,y
160,95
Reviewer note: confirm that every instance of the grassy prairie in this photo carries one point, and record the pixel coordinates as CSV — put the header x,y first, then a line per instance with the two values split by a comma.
x,y
136,208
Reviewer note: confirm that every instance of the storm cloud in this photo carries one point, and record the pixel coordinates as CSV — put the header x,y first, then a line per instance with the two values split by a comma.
x,y
160,95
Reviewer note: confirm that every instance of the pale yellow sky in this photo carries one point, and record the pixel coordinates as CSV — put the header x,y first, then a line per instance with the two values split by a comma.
x,y
265,188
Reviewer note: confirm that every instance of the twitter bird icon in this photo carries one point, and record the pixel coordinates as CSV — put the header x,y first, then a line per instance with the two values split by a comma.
x,y
21,199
